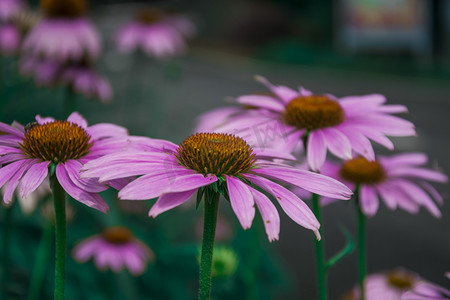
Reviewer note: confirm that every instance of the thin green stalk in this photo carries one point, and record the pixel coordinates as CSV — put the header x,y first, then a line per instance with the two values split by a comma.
x,y
362,252
209,231
7,226
40,266
59,197
70,101
320,252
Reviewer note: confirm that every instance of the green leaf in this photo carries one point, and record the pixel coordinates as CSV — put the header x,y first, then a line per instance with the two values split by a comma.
x,y
347,250
200,193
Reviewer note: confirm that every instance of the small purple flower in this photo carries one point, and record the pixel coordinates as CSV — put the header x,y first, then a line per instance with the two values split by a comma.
x,y
399,284
9,39
9,8
64,34
216,162
154,34
116,248
86,81
286,117
400,181
27,154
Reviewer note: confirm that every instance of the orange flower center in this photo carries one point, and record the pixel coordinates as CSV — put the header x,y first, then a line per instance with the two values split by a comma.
x,y
63,8
117,235
57,141
149,16
216,153
313,112
360,170
400,279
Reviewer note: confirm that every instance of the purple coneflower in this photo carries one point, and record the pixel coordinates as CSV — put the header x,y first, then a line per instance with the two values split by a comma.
x,y
28,154
400,181
338,125
115,248
9,39
9,8
399,284
64,34
153,33
219,162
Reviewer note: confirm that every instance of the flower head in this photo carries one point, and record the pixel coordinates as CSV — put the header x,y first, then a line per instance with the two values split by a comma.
x,y
28,154
399,181
327,123
64,34
154,33
115,248
399,284
216,163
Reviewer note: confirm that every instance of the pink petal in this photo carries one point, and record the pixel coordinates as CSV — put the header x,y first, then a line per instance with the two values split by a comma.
x,y
42,120
261,101
313,182
9,129
284,93
419,173
419,196
33,178
104,130
293,206
337,142
269,214
169,201
268,153
405,159
317,150
190,181
241,201
76,118
8,171
358,142
90,199
368,200
90,185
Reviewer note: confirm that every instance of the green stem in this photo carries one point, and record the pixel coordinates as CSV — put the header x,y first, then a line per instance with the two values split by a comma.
x,y
6,243
59,197
40,266
70,102
362,253
209,231
320,252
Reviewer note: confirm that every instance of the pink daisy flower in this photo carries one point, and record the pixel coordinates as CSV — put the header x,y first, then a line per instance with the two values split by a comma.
x,y
399,284
283,120
216,162
28,154
115,248
400,181
64,34
153,33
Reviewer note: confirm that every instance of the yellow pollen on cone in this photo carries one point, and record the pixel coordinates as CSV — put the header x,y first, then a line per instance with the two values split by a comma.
x,y
216,153
57,142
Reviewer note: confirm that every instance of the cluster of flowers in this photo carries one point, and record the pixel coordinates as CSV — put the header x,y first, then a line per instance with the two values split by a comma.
x,y
59,45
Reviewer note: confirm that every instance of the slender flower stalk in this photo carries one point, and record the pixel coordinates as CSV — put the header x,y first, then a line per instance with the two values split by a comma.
x,y
209,231
40,266
362,252
320,252
59,200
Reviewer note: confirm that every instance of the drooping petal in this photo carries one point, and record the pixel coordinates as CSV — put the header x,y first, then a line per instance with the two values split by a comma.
x,y
5,128
412,172
190,181
293,206
14,181
269,214
90,199
337,142
408,159
241,201
317,150
359,142
368,200
283,92
169,201
90,185
33,178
